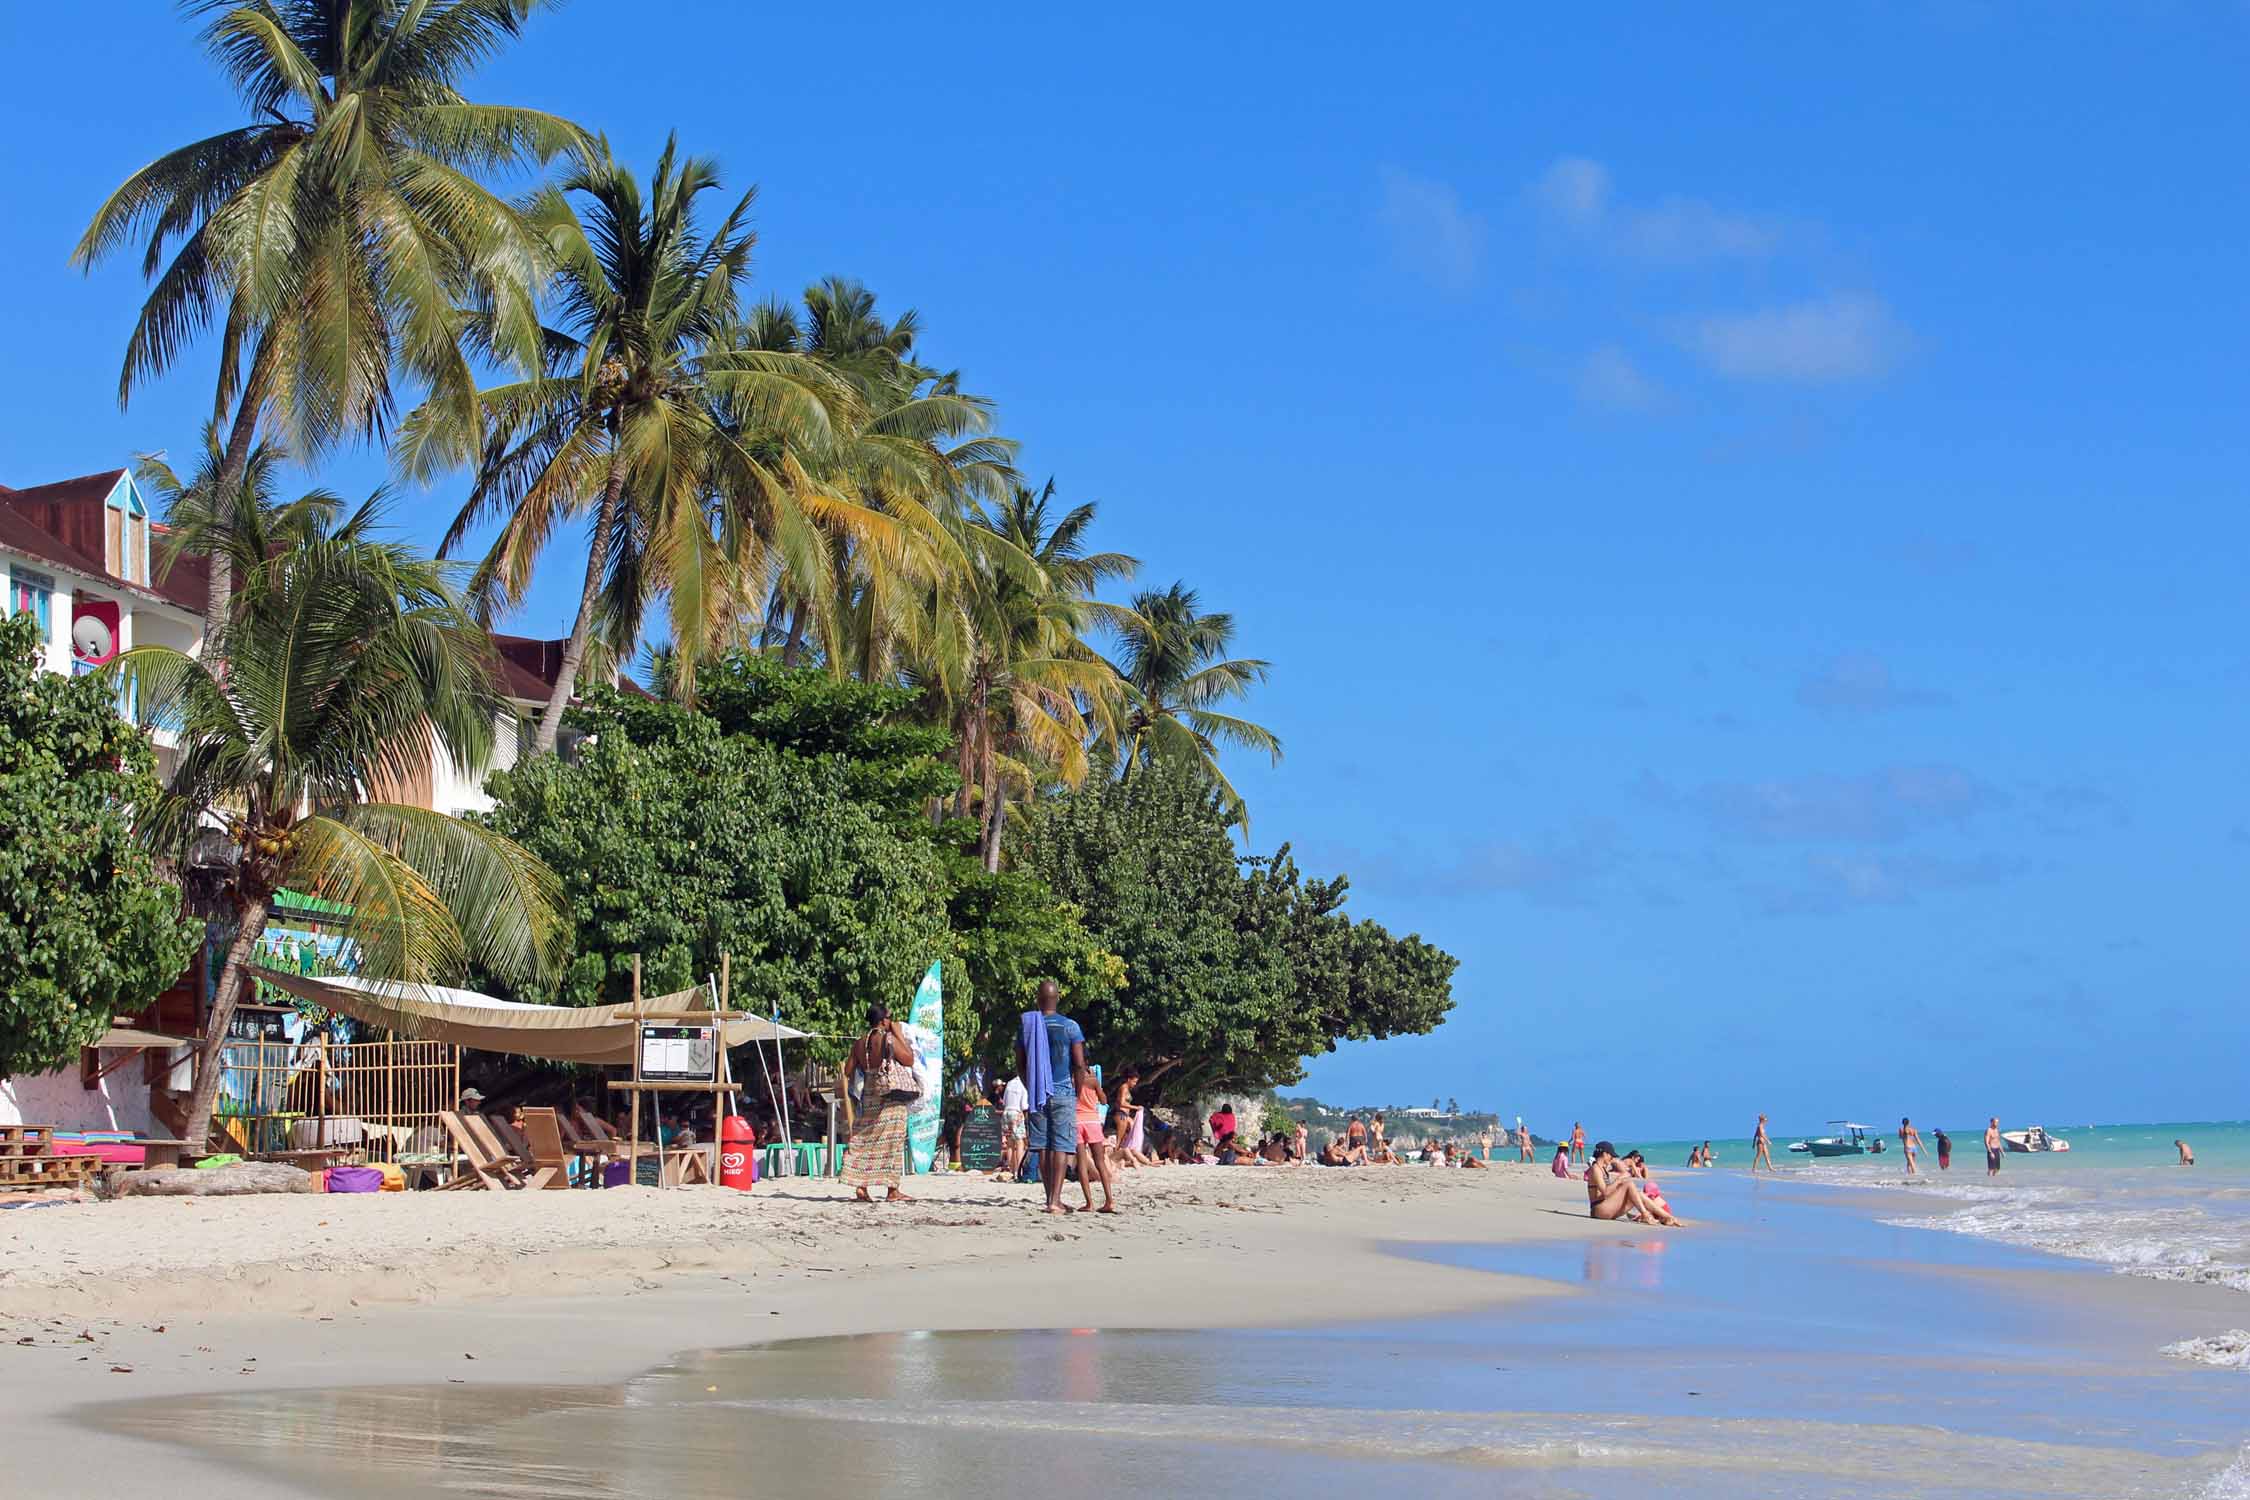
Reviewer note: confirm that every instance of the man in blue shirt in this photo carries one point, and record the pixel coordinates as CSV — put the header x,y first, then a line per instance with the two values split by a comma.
x,y
1053,1075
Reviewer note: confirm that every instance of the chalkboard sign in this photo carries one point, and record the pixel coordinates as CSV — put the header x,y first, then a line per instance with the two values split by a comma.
x,y
679,1054
980,1140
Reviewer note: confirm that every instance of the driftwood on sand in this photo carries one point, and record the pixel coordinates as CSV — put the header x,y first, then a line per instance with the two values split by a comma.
x,y
218,1182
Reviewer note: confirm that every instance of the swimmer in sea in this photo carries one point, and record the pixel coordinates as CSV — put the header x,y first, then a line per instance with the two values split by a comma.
x,y
2187,1153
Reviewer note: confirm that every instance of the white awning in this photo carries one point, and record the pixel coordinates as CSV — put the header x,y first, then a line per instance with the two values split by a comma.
x,y
593,1034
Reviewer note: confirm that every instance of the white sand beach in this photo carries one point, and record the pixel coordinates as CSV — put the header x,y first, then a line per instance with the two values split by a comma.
x,y
154,1298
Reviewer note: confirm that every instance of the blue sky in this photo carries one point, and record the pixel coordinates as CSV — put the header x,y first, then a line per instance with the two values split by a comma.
x,y
1746,509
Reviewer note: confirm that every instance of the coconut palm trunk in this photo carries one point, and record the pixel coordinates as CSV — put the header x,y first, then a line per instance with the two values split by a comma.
x,y
241,439
995,810
234,977
574,652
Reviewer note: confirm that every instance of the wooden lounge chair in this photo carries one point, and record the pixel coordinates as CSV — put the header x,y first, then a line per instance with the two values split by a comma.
x,y
482,1162
550,1161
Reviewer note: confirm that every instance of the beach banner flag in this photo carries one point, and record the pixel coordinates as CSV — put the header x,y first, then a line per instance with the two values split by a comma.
x,y
925,1026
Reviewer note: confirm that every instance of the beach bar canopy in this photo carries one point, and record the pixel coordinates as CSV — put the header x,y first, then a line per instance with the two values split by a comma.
x,y
593,1034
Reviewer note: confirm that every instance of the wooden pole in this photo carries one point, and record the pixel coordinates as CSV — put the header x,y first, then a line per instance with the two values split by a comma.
x,y
635,1170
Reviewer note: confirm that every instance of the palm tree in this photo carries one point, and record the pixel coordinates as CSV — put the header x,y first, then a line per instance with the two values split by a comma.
x,y
348,662
333,236
199,518
638,416
1027,684
1175,666
897,485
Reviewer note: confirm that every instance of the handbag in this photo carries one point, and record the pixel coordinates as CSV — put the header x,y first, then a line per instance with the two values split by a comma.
x,y
894,1081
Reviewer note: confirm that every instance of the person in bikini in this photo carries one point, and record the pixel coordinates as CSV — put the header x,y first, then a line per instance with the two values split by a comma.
x,y
1577,1144
1909,1141
1611,1192
1761,1147
1523,1141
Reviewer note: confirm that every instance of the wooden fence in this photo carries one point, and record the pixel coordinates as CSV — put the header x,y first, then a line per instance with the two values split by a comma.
x,y
381,1097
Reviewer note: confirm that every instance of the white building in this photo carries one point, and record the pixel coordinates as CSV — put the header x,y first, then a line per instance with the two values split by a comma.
x,y
84,556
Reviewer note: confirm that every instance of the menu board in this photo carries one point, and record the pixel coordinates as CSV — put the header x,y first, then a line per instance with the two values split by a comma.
x,y
980,1140
679,1054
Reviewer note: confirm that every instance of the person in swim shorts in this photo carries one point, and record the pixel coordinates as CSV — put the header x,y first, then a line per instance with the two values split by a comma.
x,y
1992,1147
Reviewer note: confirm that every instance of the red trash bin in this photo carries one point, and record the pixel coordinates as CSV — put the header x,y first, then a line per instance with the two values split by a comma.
x,y
738,1150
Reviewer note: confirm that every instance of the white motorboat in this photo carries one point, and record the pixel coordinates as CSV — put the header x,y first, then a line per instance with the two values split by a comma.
x,y
2034,1139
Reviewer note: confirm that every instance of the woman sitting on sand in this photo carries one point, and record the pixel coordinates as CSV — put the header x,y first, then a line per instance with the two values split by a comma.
x,y
877,1155
1560,1166
1611,1192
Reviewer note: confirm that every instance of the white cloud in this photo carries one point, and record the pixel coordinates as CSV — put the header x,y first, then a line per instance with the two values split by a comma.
x,y
1824,340
1574,195
1608,377
1430,230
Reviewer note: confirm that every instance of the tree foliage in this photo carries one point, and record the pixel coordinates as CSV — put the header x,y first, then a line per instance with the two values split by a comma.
x,y
86,926
697,843
1234,971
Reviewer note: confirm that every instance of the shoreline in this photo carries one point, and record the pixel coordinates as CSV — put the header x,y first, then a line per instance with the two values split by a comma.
x,y
299,1292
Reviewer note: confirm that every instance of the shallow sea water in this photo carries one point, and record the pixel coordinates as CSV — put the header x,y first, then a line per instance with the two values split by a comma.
x,y
1786,1346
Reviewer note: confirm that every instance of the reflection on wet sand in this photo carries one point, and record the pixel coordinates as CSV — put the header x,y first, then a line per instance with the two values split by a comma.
x,y
941,1414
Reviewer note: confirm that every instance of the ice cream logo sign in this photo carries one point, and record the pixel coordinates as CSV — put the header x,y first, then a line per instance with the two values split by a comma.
x,y
93,633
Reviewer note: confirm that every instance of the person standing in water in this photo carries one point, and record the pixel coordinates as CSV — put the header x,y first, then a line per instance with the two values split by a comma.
x,y
2187,1153
1761,1147
1992,1148
1944,1150
1909,1141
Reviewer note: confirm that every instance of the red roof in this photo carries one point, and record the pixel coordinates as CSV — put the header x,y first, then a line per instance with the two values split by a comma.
x,y
528,668
62,523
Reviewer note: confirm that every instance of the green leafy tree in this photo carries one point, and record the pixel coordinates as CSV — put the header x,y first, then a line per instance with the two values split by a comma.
x,y
887,758
1009,933
1149,861
332,237
700,843
87,926
1235,970
346,663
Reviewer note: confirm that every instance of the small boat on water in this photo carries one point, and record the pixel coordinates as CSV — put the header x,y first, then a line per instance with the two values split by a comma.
x,y
1854,1143
2034,1139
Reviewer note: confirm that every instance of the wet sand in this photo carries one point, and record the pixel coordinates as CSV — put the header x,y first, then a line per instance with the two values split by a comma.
x,y
287,1295
1792,1344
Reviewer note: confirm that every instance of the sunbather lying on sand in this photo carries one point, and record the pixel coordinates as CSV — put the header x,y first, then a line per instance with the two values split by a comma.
x,y
1611,1192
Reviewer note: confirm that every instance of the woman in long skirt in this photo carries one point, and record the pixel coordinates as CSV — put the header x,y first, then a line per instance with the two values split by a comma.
x,y
878,1150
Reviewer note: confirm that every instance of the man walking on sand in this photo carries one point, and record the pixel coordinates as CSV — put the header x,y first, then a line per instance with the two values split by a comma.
x,y
1051,1061
1761,1146
1992,1148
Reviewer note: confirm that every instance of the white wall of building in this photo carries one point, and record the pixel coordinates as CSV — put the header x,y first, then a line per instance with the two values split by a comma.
x,y
118,1102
